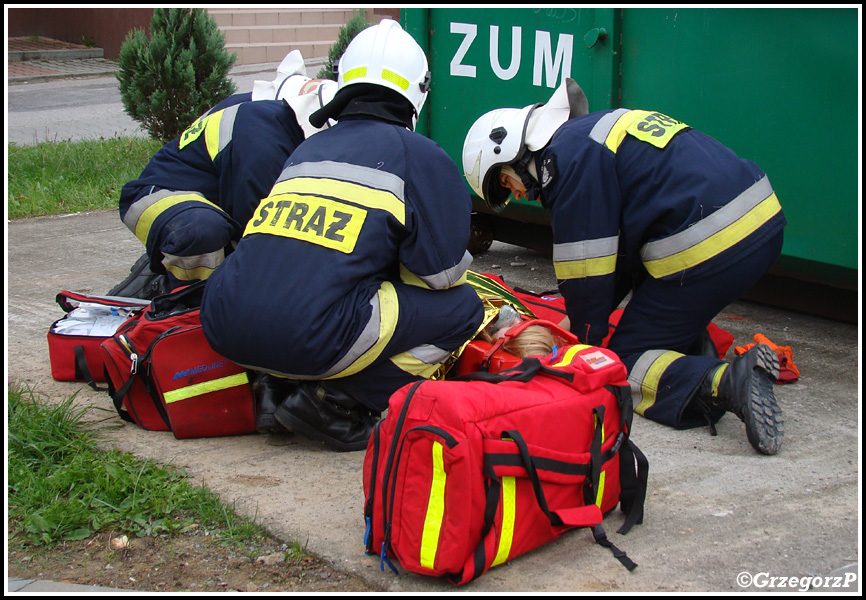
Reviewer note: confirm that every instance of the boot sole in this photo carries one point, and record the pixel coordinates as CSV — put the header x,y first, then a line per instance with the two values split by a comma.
x,y
292,423
764,425
268,424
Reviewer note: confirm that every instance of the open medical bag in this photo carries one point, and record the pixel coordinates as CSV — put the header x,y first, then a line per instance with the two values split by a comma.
x,y
74,340
163,374
465,474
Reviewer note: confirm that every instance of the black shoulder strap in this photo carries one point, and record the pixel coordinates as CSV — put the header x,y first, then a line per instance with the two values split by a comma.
x,y
82,371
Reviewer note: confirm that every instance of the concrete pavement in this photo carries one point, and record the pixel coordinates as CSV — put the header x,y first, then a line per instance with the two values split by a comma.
x,y
719,517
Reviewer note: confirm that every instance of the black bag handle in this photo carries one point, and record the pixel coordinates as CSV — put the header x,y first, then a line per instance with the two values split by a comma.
x,y
82,371
528,368
633,475
118,396
597,530
181,300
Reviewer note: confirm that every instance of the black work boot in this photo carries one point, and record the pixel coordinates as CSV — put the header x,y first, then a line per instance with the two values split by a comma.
x,y
271,391
328,416
142,282
745,388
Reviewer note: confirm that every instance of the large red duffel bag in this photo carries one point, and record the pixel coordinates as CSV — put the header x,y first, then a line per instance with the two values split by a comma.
x,y
462,475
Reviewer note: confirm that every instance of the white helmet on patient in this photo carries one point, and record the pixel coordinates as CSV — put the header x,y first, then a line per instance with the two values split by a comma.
x,y
509,136
303,94
386,55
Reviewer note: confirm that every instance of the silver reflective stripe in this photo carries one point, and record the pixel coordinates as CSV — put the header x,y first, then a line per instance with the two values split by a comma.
x,y
227,125
142,204
190,268
586,249
708,226
445,279
208,260
588,258
380,180
429,354
645,375
602,129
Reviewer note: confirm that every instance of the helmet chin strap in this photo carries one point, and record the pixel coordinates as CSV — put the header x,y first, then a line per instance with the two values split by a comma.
x,y
525,169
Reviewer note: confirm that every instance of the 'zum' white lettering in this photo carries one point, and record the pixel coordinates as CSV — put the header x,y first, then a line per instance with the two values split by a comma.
x,y
548,67
458,69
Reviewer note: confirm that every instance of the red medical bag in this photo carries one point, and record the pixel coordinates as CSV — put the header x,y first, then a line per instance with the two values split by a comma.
x,y
462,475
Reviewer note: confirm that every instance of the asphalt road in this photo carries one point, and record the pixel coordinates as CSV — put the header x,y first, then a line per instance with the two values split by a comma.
x,y
81,109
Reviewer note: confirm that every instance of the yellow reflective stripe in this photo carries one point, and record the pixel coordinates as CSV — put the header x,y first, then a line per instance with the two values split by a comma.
x,y
345,191
590,267
389,312
190,274
354,74
435,509
150,214
645,375
212,134
570,354
618,131
599,494
408,363
198,266
717,379
509,511
718,242
398,80
206,387
409,278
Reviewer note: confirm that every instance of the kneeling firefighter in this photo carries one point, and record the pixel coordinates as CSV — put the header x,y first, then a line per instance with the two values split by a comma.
x,y
197,193
641,202
349,280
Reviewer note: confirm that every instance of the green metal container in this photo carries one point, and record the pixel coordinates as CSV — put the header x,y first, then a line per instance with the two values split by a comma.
x,y
778,86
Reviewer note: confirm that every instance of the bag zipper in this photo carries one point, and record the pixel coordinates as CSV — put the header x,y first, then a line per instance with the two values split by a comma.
x,y
368,507
388,464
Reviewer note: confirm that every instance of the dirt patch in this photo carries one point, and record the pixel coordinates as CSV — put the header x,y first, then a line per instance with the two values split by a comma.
x,y
179,563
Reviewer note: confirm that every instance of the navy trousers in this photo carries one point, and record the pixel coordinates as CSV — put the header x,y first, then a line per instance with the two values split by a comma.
x,y
661,325
431,325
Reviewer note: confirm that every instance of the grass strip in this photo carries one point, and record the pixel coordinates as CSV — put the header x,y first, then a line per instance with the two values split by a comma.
x,y
62,486
66,177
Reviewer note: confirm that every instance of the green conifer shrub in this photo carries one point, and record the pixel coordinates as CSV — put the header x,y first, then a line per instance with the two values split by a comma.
x,y
167,82
347,33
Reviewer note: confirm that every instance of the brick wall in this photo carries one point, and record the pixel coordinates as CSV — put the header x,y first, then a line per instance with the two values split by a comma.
x,y
107,26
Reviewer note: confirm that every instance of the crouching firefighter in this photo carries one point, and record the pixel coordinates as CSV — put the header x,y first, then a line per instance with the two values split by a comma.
x,y
349,281
641,202
194,197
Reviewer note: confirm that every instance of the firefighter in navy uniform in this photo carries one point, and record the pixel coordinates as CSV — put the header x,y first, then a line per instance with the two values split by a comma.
x,y
349,280
640,202
198,191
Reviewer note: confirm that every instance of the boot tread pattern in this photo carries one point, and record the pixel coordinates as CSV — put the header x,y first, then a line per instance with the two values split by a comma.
x,y
766,429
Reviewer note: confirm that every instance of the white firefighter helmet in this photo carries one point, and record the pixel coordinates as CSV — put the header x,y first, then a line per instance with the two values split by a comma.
x,y
386,55
504,136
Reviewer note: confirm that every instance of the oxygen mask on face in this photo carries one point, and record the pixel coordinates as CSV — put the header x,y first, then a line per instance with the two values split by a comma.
x,y
508,318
